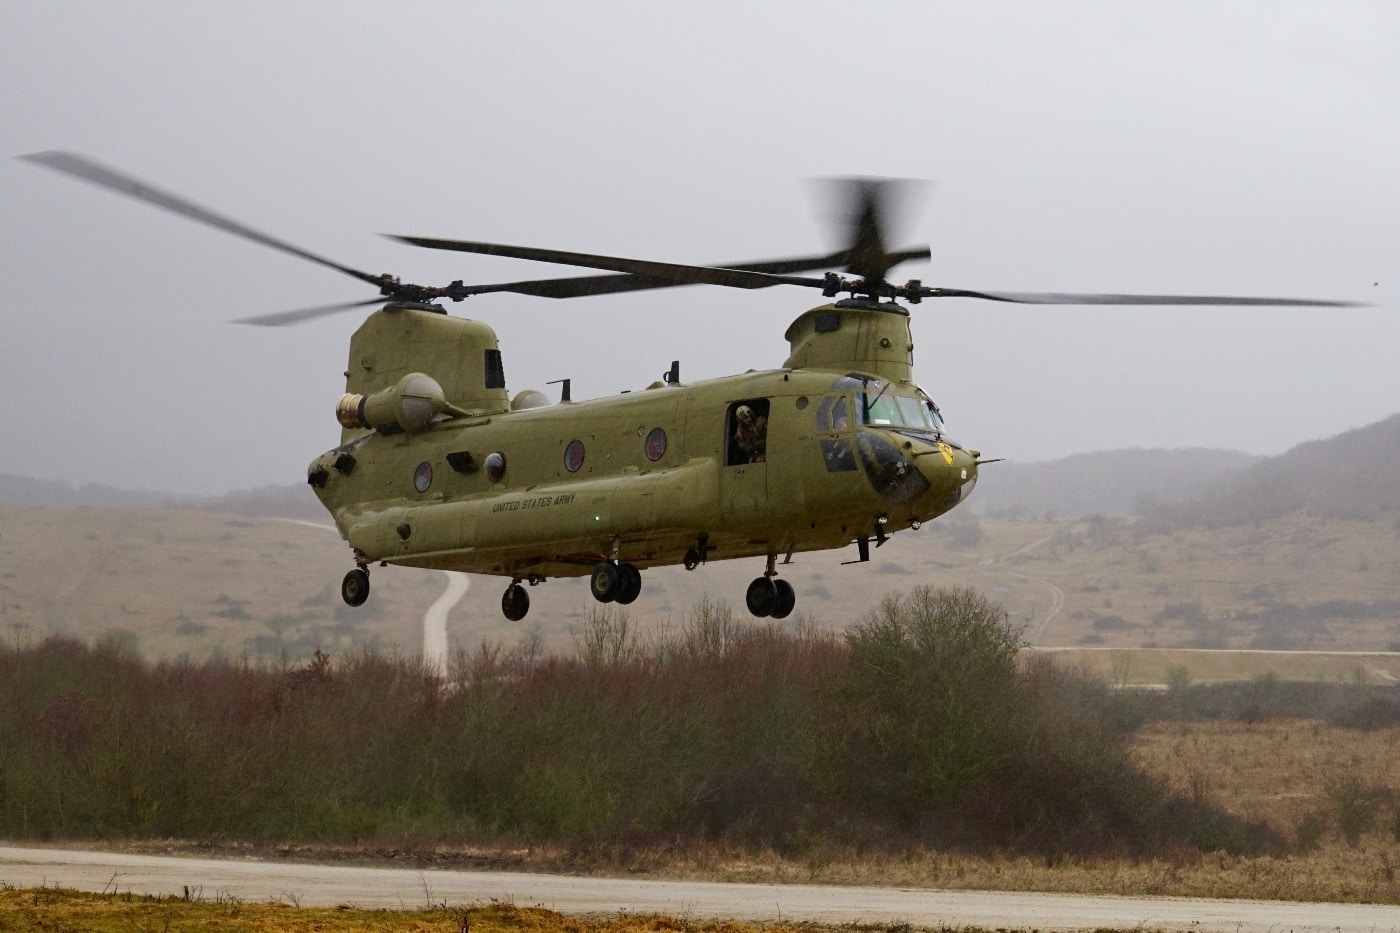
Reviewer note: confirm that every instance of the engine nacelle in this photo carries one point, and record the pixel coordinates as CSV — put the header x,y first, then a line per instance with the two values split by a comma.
x,y
411,404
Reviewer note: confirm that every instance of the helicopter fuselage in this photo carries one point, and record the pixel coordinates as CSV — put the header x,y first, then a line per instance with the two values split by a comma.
x,y
760,464
639,477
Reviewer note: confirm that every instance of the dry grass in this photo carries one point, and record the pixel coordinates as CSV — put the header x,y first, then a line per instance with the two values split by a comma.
x,y
1200,665
1280,773
46,909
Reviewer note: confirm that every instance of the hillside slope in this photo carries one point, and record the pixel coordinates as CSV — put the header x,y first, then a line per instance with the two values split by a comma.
x,y
1112,482
1354,475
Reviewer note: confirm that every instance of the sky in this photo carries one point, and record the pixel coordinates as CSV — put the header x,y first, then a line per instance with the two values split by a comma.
x,y
1246,148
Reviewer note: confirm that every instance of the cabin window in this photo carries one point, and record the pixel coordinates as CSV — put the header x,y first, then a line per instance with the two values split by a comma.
x,y
495,370
423,476
573,456
495,466
746,429
656,444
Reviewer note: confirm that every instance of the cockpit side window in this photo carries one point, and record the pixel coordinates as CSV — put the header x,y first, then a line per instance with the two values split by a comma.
x,y
834,413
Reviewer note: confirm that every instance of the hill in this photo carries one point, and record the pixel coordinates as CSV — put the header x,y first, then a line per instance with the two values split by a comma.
x,y
1354,476
24,490
292,501
1112,482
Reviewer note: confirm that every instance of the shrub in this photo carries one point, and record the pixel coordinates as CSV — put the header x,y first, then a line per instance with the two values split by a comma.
x,y
923,726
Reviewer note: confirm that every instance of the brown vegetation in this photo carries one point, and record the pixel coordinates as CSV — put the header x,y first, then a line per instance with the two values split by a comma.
x,y
920,728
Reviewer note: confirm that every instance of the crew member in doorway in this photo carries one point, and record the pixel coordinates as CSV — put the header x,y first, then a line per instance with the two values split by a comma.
x,y
750,435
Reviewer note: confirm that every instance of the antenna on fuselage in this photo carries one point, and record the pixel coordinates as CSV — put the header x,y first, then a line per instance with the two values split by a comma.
x,y
564,394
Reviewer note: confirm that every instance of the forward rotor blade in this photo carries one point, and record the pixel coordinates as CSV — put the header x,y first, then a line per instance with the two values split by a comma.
x,y
282,318
1067,298
86,169
870,208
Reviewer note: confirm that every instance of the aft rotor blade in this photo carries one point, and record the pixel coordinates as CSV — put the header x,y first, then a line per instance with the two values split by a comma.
x,y
1069,298
95,173
282,318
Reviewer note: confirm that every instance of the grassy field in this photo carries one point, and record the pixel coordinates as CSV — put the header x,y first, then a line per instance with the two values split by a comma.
x,y
173,583
27,910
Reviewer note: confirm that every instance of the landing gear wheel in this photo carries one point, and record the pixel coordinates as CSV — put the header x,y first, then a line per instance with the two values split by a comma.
x,y
629,584
604,582
787,599
762,596
515,602
354,589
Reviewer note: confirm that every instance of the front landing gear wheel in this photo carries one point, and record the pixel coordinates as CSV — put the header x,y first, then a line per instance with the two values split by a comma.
x,y
515,602
354,589
605,582
762,596
787,599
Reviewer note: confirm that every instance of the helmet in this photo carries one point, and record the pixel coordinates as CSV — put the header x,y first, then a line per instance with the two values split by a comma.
x,y
744,413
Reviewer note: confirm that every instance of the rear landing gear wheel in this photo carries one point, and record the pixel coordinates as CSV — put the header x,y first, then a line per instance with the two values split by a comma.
x,y
629,584
515,602
354,589
605,582
762,596
787,599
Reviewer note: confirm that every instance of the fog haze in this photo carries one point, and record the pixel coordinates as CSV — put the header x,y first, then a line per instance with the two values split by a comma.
x,y
1248,148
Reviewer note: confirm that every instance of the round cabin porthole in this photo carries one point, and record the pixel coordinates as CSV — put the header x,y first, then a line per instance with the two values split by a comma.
x,y
573,456
495,466
656,444
423,476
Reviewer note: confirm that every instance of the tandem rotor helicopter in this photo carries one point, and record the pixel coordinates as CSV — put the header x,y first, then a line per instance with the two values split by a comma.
x,y
439,467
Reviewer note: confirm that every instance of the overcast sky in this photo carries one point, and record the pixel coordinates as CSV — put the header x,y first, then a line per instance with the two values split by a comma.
x,y
1245,148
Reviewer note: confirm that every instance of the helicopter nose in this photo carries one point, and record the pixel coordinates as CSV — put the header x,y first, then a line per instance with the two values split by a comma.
x,y
950,472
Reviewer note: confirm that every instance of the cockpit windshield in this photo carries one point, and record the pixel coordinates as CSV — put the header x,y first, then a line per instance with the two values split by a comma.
x,y
911,412
878,403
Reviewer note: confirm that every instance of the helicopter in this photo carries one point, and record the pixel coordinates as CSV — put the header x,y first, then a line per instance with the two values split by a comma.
x,y
439,467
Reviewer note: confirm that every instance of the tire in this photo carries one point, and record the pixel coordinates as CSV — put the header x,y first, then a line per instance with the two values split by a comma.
x,y
762,596
354,589
629,584
604,582
787,599
515,602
